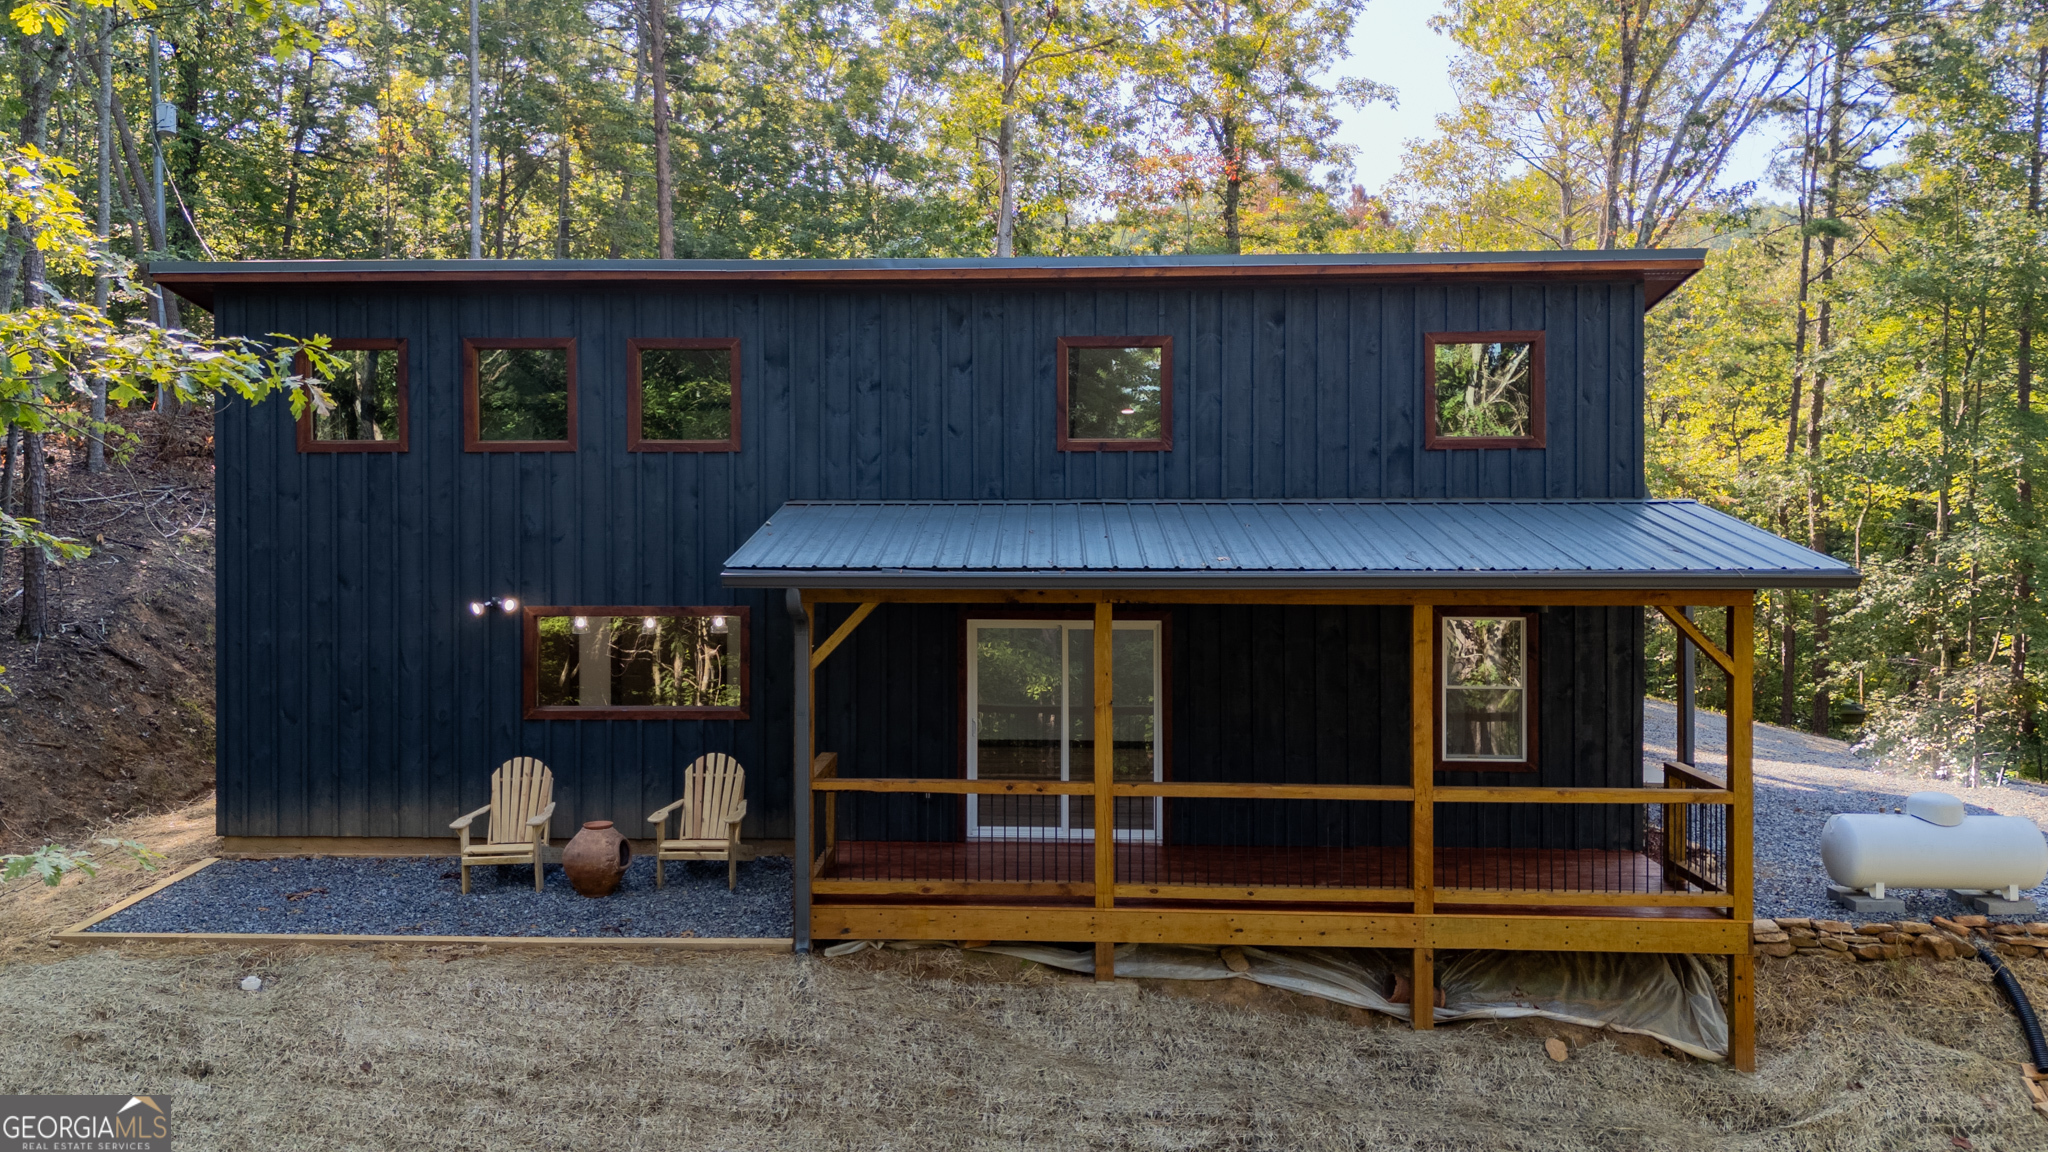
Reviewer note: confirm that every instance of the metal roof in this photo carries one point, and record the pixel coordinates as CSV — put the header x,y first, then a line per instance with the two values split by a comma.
x,y
1304,544
1660,270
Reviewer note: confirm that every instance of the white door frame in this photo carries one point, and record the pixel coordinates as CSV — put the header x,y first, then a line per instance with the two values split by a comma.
x,y
1065,830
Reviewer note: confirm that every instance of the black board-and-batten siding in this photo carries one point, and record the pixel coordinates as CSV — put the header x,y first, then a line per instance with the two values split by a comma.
x,y
358,697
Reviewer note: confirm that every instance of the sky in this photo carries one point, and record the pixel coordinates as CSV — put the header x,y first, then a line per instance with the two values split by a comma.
x,y
1392,43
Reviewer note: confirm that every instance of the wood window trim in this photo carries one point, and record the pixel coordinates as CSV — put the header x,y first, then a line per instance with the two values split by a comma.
x,y
529,665
309,443
472,413
1164,442
1431,441
635,442
1532,698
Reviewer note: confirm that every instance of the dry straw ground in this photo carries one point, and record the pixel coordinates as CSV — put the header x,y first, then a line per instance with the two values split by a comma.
x,y
404,1048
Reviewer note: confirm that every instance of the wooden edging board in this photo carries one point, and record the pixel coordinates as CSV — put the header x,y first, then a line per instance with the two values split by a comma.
x,y
78,933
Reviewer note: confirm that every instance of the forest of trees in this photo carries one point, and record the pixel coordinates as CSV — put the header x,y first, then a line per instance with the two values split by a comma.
x,y
1854,369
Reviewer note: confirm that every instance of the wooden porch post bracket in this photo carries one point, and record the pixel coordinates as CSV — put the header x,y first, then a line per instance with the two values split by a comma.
x,y
1741,881
1422,812
1105,780
840,633
1691,631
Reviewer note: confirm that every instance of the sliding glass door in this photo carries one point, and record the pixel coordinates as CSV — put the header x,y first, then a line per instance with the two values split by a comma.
x,y
1031,716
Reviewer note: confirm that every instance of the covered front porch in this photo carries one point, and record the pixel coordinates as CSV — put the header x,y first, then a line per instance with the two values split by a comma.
x,y
1439,825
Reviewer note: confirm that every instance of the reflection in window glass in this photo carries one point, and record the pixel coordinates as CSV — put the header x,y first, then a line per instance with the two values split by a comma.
x,y
1113,393
522,393
1132,718
637,661
1485,673
1017,720
1484,389
685,394
364,397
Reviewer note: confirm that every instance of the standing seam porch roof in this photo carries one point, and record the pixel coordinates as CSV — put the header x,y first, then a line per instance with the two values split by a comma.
x,y
1299,544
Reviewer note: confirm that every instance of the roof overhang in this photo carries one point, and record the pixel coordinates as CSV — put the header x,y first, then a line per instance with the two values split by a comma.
x,y
1303,545
1660,271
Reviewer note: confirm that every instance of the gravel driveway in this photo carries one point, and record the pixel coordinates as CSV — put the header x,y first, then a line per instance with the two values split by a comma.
x,y
1801,780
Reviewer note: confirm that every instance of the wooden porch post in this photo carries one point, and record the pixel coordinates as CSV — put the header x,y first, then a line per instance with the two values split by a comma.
x,y
1105,780
1687,715
801,732
1422,824
1741,881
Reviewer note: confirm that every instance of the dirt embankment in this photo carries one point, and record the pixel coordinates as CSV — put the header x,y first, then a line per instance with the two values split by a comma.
x,y
111,714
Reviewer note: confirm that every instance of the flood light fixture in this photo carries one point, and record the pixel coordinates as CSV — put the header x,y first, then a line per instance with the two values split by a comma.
x,y
506,604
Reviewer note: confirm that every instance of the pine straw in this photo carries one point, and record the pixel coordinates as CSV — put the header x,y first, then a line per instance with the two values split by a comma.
x,y
389,1048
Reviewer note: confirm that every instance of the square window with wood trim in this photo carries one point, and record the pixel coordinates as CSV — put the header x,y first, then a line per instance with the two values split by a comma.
x,y
519,395
683,395
1486,691
362,407
1115,393
617,663
1483,389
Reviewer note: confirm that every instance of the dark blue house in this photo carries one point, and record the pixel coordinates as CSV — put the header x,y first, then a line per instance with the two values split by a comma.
x,y
1321,580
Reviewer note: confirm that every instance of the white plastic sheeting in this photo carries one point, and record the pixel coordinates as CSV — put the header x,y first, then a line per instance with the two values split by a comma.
x,y
1670,998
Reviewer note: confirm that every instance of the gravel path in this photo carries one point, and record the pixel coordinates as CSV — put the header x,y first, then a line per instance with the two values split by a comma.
x,y
423,896
1801,780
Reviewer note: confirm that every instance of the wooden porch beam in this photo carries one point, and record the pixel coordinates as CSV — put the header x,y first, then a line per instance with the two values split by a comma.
x,y
959,787
1691,631
1537,931
1477,597
1474,795
840,633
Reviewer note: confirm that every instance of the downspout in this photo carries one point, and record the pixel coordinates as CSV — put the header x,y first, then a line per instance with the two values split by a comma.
x,y
800,762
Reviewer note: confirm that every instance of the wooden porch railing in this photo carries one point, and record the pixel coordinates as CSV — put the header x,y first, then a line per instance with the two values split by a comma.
x,y
1684,876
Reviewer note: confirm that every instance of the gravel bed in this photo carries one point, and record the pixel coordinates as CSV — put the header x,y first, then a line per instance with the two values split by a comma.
x,y
403,896
1801,780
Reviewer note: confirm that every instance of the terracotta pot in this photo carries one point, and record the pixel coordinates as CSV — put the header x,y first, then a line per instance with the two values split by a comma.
x,y
596,858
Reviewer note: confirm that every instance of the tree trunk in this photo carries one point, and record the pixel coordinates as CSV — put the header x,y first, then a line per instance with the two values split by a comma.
x,y
146,196
10,473
1816,498
35,584
102,289
1610,210
2024,401
1006,139
664,179
562,204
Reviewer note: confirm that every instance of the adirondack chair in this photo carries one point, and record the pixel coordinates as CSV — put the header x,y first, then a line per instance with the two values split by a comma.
x,y
522,802
708,818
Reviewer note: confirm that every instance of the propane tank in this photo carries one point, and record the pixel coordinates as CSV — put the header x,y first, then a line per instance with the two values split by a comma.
x,y
1933,844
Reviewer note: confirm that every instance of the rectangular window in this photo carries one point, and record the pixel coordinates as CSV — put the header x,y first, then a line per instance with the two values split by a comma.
x,y
1115,393
1031,710
519,395
366,400
1483,389
636,663
1485,713
683,395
